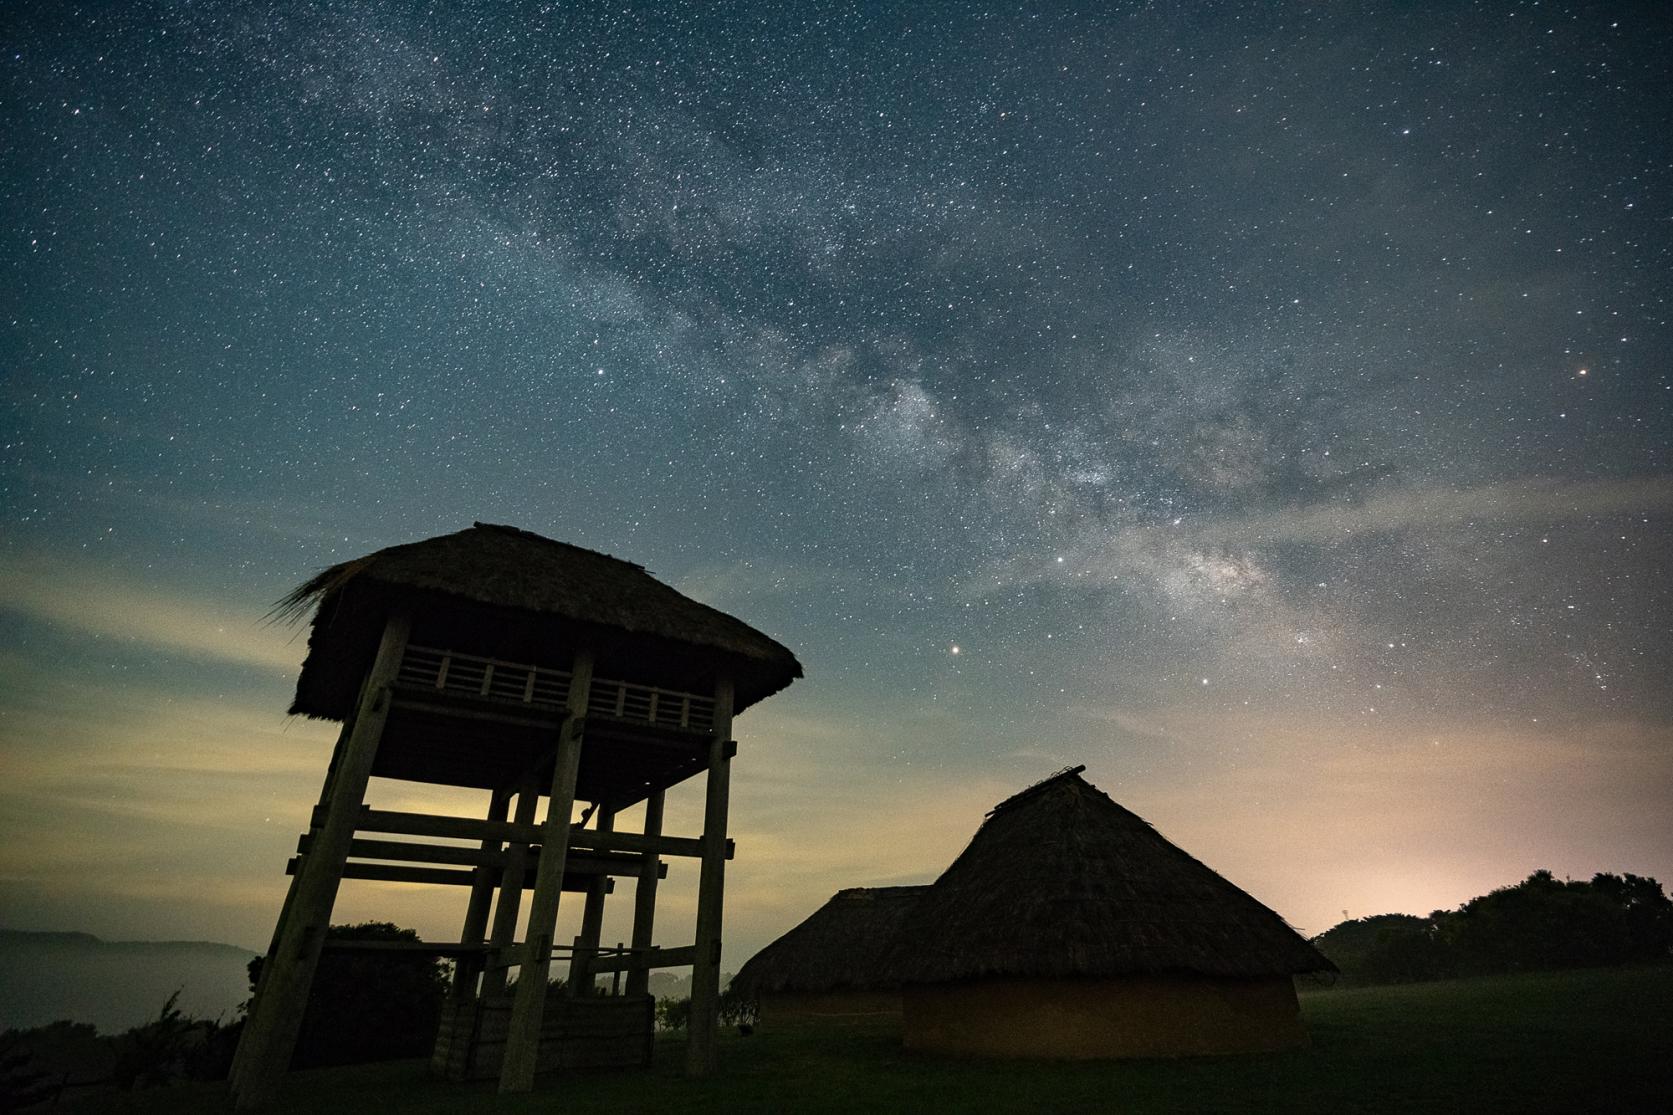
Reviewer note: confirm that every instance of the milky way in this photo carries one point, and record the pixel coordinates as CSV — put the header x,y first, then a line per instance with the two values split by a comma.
x,y
1266,402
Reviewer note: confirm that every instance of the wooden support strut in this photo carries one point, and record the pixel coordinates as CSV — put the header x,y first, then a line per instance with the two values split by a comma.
x,y
643,961
644,895
592,921
269,1035
475,929
511,879
522,1043
701,1053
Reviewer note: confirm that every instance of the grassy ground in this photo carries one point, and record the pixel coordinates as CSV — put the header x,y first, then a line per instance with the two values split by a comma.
x,y
1559,1042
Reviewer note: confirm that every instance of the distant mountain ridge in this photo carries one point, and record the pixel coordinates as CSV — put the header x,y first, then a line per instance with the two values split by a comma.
x,y
46,976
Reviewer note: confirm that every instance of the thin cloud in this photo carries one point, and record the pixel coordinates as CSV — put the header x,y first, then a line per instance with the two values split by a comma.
x,y
96,601
1144,551
1392,511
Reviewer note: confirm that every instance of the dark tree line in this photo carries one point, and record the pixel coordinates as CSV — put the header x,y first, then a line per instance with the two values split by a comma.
x,y
1540,923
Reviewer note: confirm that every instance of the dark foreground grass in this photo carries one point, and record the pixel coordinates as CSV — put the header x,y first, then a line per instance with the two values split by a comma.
x,y
1558,1042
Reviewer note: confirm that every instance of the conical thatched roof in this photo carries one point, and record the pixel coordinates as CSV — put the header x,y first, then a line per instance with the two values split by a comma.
x,y
517,575
837,948
1061,881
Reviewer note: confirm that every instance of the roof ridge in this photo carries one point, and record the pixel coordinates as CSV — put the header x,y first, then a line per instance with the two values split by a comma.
x,y
1045,783
506,528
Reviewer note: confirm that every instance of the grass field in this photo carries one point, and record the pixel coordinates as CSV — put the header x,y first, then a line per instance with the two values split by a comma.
x,y
1598,1040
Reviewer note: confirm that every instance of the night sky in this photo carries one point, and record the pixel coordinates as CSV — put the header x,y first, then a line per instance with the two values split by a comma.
x,y
1266,405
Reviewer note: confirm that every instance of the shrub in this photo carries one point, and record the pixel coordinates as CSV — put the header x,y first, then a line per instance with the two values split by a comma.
x,y
369,1006
673,1014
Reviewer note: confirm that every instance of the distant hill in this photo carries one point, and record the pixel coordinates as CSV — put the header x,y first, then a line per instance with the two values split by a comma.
x,y
45,977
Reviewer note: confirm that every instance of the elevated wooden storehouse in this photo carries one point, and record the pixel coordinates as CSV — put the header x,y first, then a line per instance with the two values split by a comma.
x,y
829,965
1070,928
503,661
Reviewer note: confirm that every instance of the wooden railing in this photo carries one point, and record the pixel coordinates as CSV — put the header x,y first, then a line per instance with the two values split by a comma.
x,y
524,683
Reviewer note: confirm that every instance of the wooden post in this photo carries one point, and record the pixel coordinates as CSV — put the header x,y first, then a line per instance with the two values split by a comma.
x,y
700,1051
270,1034
644,898
511,891
522,1041
343,735
466,968
592,921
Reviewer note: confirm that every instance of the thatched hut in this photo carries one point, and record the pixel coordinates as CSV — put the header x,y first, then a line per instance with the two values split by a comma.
x,y
828,966
1071,928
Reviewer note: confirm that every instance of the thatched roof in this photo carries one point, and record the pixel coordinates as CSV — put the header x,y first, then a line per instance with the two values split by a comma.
x,y
492,582
1061,881
836,948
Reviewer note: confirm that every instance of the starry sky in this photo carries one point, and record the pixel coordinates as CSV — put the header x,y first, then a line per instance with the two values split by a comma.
x,y
1266,405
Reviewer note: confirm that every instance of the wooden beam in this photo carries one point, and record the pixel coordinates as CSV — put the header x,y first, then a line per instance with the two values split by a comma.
x,y
580,878
469,709
644,895
276,1015
409,852
644,961
522,1040
590,841
701,1054
451,828
511,880
469,828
